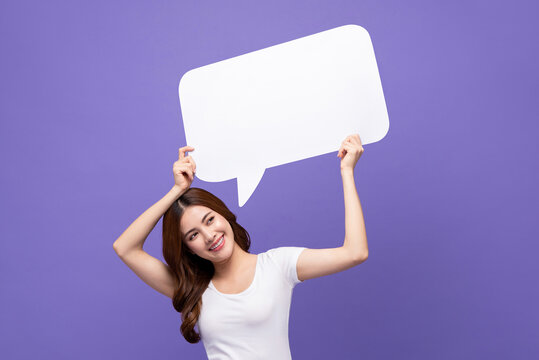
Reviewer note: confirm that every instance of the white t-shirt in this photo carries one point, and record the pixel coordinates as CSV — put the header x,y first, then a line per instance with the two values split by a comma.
x,y
252,324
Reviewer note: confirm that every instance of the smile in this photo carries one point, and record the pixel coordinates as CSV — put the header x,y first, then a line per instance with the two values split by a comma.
x,y
218,245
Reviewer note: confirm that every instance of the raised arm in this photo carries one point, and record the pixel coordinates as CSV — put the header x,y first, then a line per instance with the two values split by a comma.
x,y
313,263
135,235
129,245
355,240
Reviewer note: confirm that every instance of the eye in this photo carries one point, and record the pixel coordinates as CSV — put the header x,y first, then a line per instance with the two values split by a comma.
x,y
193,234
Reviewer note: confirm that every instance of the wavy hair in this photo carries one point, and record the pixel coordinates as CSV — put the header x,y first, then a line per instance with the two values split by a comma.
x,y
193,273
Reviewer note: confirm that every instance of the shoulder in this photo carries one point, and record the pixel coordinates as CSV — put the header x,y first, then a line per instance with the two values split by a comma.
x,y
285,258
284,252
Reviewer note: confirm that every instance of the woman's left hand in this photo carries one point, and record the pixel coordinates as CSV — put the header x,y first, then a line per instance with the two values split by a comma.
x,y
350,151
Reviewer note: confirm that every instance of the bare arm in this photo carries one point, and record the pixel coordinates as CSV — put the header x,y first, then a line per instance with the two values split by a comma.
x,y
355,239
129,245
313,263
134,236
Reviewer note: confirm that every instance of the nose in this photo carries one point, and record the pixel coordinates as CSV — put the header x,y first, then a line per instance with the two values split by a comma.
x,y
210,238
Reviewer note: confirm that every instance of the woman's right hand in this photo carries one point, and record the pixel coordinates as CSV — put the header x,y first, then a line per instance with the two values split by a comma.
x,y
184,169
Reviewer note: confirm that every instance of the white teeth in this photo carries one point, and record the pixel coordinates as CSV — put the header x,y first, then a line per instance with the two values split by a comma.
x,y
218,243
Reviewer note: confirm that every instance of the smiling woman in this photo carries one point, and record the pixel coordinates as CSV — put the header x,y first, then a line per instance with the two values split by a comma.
x,y
234,297
208,219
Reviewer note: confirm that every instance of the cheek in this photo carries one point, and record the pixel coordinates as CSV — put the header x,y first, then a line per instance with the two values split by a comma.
x,y
198,245
223,223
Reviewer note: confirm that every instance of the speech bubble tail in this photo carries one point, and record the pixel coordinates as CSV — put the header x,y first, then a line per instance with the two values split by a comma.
x,y
247,184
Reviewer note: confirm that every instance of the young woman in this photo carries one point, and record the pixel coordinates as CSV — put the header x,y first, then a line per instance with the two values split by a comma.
x,y
239,301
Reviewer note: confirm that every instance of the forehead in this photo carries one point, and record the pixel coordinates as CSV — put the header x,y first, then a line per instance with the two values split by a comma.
x,y
193,215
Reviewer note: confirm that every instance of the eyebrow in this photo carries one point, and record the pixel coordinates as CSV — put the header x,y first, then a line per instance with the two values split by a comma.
x,y
209,212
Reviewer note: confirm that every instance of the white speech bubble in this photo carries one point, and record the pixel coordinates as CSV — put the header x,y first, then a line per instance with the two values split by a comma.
x,y
282,104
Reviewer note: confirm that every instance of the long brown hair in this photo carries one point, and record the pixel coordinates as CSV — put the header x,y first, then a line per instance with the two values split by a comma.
x,y
193,273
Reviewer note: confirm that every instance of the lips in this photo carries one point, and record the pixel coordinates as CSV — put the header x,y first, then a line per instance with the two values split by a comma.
x,y
216,241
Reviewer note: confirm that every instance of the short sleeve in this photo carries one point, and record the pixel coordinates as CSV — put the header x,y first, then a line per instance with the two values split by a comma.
x,y
286,259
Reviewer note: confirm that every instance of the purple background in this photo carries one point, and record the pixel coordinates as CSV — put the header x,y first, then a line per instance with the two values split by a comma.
x,y
91,124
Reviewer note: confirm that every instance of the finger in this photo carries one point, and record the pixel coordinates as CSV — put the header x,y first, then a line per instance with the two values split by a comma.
x,y
345,141
356,140
341,150
188,172
357,143
183,167
192,162
349,147
189,163
182,151
353,147
180,169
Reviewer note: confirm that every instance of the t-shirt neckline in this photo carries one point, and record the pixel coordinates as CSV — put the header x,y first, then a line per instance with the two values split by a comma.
x,y
244,292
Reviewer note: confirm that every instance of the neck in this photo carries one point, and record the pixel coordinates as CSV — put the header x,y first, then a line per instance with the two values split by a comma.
x,y
233,265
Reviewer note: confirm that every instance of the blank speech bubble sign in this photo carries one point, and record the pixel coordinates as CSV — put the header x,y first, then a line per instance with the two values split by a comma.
x,y
282,104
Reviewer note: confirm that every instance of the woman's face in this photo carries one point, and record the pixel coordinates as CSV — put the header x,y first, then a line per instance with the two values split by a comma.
x,y
202,228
